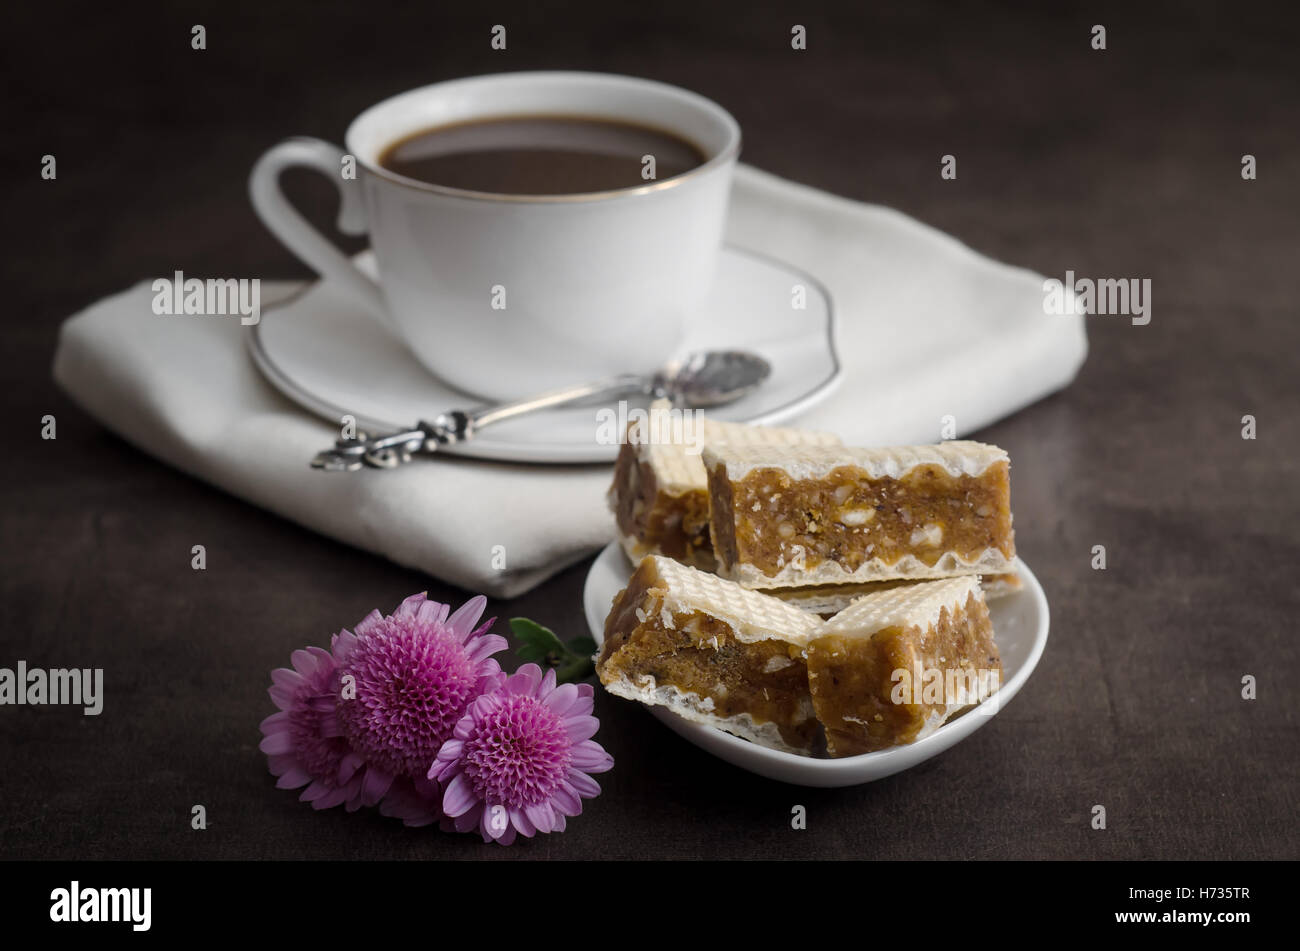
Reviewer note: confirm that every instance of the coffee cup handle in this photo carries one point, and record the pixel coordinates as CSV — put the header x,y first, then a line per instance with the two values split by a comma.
x,y
297,234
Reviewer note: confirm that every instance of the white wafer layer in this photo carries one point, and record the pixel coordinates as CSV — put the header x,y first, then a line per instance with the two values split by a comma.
x,y
677,465
752,615
957,458
991,561
832,599
917,605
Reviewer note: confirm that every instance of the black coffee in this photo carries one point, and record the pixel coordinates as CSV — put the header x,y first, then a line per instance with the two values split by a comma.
x,y
541,155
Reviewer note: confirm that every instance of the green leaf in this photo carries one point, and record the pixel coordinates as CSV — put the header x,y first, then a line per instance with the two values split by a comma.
x,y
536,643
583,645
540,645
573,670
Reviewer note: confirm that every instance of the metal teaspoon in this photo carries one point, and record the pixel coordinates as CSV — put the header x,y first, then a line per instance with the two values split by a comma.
x,y
706,378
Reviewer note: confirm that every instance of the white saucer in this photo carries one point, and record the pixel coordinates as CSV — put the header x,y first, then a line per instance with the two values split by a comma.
x,y
1019,627
334,360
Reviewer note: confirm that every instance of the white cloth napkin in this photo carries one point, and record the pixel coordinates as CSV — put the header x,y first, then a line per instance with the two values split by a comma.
x,y
963,336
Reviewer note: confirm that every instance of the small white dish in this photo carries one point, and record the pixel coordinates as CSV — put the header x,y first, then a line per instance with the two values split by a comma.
x,y
334,359
1020,622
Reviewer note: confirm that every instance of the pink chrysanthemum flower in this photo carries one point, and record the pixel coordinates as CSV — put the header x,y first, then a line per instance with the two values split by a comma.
x,y
303,743
520,757
405,681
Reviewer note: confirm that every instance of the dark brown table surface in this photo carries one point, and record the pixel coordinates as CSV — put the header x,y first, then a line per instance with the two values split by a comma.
x,y
1122,163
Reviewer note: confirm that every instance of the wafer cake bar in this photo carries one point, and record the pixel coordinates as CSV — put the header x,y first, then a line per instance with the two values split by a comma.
x,y
659,496
713,652
894,666
790,516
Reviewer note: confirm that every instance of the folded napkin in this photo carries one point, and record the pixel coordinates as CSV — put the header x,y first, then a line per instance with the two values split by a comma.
x,y
926,328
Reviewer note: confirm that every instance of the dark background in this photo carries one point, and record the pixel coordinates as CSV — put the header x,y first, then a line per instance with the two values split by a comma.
x,y
1122,163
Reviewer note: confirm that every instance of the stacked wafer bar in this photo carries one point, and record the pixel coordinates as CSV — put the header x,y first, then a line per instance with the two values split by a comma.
x,y
785,517
712,652
659,496
843,577
752,665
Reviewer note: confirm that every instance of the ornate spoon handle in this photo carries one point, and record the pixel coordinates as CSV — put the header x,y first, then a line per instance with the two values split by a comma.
x,y
394,449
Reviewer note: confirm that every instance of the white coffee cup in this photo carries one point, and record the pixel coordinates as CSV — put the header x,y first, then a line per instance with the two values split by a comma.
x,y
592,284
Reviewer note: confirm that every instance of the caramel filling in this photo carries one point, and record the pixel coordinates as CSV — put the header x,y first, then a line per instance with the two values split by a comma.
x,y
854,685
769,519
